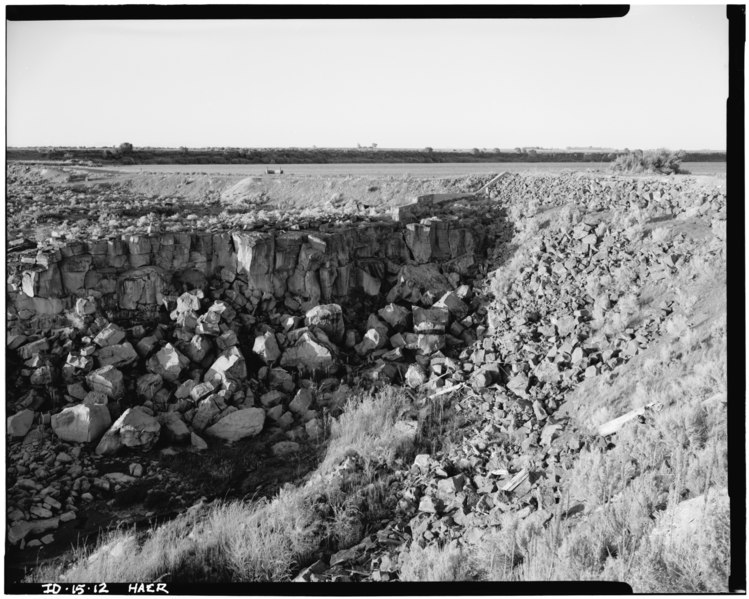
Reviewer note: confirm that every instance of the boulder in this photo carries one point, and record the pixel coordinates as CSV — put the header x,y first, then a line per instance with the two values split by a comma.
x,y
278,378
146,345
135,428
201,390
197,349
229,367
424,345
168,362
174,428
109,335
301,402
197,443
367,283
272,398
416,376
82,423
95,398
188,301
42,375
148,385
375,323
396,316
117,355
238,425
456,306
21,529
329,318
208,410
32,349
20,423
371,341
185,389
309,355
226,340
266,347
208,324
108,380
430,320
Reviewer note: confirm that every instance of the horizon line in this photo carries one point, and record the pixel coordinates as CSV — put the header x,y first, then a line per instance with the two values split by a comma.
x,y
371,148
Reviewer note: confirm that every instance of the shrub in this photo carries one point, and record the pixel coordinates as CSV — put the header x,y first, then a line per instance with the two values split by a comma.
x,y
652,161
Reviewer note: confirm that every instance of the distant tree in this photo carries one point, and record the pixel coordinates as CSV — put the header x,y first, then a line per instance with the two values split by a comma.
x,y
428,150
184,149
125,148
374,146
476,151
496,150
518,150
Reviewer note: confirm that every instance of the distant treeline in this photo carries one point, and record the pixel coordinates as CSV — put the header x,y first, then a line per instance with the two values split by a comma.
x,y
126,154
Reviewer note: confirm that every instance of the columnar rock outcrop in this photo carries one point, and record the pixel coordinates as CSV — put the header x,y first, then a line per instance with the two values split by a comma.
x,y
138,272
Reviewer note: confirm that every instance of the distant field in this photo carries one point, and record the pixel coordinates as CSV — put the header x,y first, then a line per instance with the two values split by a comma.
x,y
416,170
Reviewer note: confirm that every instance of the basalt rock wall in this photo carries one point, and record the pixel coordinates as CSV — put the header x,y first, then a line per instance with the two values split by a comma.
x,y
131,276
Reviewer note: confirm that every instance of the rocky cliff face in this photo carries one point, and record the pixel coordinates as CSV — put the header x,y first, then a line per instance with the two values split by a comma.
x,y
131,276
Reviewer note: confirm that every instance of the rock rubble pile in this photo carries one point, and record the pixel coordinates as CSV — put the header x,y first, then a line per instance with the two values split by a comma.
x,y
234,333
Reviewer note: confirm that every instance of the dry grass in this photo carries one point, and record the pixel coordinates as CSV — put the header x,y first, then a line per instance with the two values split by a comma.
x,y
676,454
264,540
367,428
433,563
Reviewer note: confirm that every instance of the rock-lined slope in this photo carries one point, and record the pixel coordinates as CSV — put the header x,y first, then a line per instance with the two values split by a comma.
x,y
601,275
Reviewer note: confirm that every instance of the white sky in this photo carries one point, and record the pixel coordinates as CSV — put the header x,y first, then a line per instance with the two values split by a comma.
x,y
657,77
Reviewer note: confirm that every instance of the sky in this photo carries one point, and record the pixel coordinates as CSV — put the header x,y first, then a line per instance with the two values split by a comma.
x,y
655,78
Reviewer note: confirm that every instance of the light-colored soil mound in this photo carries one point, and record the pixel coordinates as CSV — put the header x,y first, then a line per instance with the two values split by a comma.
x,y
314,191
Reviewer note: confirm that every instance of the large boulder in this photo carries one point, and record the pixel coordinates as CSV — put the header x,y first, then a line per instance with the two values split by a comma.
x,y
136,428
119,355
207,411
189,301
20,423
82,423
329,318
229,367
109,335
238,425
197,348
309,355
453,304
168,362
266,347
396,316
107,380
32,349
301,403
